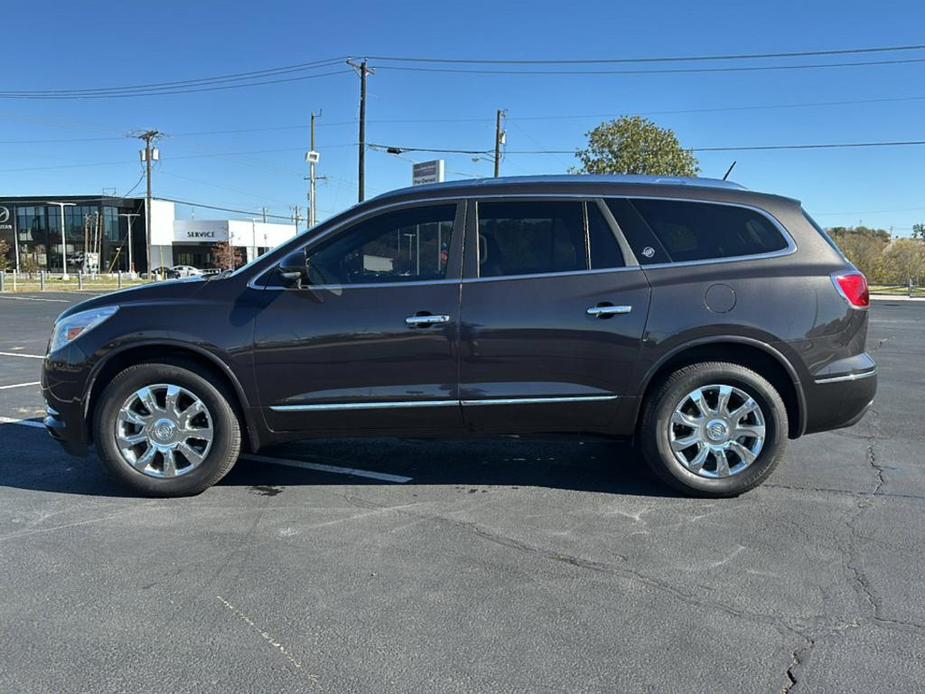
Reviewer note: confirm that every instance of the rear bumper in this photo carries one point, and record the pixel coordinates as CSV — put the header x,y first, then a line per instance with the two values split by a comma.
x,y
838,400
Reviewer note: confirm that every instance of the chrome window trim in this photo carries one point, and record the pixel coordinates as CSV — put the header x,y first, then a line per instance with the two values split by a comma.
x,y
847,377
541,275
404,404
790,250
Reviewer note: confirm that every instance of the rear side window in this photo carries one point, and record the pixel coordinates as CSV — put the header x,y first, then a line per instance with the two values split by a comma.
x,y
526,238
706,231
645,246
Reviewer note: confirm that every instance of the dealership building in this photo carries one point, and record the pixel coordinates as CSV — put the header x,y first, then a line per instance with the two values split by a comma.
x,y
107,234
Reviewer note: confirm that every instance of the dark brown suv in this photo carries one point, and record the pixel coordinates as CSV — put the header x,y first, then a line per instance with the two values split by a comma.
x,y
708,322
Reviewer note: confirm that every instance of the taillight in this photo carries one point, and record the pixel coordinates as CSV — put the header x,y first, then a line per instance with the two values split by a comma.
x,y
853,287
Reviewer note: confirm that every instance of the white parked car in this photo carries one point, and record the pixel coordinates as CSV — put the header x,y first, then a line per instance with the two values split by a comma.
x,y
186,271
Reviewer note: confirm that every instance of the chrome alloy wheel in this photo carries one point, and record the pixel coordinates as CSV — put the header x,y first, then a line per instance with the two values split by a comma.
x,y
164,431
716,431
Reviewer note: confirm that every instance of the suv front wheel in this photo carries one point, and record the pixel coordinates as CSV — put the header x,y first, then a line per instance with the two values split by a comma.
x,y
164,430
714,429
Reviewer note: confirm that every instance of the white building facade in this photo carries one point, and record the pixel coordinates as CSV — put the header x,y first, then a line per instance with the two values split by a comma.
x,y
191,241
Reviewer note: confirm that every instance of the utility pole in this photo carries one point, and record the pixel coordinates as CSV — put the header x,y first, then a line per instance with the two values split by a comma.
x,y
263,211
313,157
364,71
130,216
296,216
148,154
500,138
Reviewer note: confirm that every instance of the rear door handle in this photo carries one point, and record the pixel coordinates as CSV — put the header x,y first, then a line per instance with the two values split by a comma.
x,y
426,319
604,311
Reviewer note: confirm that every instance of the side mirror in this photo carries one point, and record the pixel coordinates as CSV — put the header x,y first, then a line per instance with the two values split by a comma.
x,y
294,266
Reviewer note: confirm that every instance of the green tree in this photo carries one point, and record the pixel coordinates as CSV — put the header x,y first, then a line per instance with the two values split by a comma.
x,y
904,261
635,145
4,256
918,231
864,248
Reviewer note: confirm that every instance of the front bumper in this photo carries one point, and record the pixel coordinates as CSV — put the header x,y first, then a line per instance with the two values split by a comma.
x,y
63,391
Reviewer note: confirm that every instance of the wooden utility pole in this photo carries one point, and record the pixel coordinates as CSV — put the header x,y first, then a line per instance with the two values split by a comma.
x,y
499,139
364,71
148,154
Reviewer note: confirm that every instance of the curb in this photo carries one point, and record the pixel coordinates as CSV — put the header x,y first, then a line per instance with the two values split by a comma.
x,y
888,297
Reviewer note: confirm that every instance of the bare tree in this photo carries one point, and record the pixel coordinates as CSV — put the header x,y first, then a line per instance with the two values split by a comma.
x,y
225,256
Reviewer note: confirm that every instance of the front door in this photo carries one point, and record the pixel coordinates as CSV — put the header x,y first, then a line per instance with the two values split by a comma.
x,y
370,343
552,318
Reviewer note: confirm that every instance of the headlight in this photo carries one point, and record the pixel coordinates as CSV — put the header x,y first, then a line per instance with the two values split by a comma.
x,y
69,329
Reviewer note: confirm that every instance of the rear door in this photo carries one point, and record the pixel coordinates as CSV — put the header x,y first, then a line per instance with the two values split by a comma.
x,y
371,343
553,312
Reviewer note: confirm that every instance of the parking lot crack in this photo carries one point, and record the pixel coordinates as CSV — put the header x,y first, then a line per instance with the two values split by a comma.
x,y
622,569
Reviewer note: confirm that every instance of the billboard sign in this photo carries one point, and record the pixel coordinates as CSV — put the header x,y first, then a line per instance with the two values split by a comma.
x,y
427,172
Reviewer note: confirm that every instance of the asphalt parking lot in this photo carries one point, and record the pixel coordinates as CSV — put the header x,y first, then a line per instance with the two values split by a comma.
x,y
506,565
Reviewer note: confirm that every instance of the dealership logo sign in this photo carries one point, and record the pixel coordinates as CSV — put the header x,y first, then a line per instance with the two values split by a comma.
x,y
5,218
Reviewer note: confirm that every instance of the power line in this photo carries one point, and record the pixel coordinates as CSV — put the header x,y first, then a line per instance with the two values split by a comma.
x,y
114,95
394,149
223,209
389,149
217,79
657,59
660,71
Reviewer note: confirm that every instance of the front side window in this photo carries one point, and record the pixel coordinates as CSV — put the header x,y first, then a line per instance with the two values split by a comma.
x,y
527,238
706,231
410,245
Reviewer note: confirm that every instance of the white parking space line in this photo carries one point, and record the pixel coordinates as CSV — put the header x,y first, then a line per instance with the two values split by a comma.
x,y
24,356
21,385
354,472
22,422
34,298
318,467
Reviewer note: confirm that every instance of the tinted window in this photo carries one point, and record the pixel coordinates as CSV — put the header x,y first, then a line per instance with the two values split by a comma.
x,y
605,251
525,238
404,246
702,231
642,241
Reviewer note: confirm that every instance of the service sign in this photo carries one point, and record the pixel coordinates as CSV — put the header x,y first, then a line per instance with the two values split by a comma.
x,y
427,172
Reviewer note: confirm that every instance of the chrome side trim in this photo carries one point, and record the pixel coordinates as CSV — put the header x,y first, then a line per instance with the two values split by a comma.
x,y
848,377
332,407
540,401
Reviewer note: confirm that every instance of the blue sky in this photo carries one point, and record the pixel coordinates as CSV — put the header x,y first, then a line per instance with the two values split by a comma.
x,y
52,45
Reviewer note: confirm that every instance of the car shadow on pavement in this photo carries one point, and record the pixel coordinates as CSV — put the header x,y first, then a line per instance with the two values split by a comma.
x,y
567,463
30,460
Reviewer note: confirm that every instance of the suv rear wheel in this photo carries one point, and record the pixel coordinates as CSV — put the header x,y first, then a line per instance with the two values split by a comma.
x,y
714,429
164,430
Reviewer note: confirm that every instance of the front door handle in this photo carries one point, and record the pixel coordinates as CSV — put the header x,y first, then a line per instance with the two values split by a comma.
x,y
603,311
426,319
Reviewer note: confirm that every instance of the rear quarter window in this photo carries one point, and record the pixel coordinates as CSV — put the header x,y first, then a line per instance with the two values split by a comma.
x,y
708,231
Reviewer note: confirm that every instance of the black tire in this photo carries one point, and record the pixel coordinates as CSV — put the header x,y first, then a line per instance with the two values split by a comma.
x,y
658,409
226,443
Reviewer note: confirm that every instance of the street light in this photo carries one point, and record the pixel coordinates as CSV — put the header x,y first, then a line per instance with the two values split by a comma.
x,y
62,205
